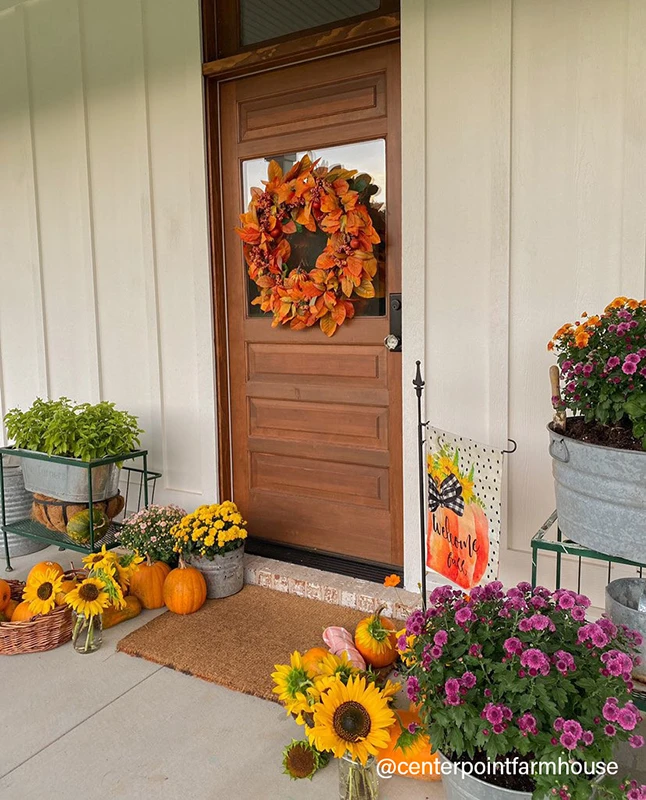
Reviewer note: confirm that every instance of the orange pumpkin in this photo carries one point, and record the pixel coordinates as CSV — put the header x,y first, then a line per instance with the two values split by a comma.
x,y
114,616
458,546
415,756
69,582
375,639
5,594
9,609
185,590
312,659
42,567
147,583
22,612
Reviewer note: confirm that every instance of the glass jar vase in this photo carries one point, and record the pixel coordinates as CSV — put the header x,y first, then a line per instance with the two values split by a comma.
x,y
358,781
87,632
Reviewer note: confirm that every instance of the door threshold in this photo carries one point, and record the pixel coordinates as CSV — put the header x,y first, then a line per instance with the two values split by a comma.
x,y
319,559
330,587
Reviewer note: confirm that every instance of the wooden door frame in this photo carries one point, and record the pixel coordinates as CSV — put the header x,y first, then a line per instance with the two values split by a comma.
x,y
345,39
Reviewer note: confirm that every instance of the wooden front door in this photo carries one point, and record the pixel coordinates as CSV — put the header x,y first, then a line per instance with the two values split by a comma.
x,y
316,421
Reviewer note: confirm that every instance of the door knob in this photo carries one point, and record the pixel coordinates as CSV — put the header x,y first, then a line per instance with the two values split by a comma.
x,y
392,342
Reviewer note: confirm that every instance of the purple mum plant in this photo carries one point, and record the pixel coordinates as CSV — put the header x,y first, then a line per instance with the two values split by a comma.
x,y
524,675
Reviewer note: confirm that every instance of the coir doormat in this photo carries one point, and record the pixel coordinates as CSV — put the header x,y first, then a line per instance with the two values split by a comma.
x,y
235,642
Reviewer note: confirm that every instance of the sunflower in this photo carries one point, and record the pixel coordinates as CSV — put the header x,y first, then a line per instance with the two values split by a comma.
x,y
302,760
89,598
352,719
126,568
390,689
333,668
292,683
41,591
102,560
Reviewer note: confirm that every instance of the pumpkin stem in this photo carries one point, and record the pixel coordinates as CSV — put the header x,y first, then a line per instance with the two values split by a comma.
x,y
182,563
149,563
376,628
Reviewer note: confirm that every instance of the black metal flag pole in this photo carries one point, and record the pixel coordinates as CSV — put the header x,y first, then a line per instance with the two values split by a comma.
x,y
418,383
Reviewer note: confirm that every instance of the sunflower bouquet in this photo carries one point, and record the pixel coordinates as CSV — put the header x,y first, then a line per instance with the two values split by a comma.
x,y
210,531
108,578
345,713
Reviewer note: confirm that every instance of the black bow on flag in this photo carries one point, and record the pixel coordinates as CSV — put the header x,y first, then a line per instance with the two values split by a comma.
x,y
449,495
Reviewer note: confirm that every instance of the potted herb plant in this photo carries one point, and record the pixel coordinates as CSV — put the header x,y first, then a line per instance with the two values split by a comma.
x,y
148,532
82,431
522,676
212,538
598,453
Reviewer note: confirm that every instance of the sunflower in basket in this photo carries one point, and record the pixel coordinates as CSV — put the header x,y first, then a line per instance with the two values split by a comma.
x,y
41,590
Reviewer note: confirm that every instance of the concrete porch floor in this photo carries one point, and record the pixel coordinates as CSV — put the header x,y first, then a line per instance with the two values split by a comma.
x,y
108,725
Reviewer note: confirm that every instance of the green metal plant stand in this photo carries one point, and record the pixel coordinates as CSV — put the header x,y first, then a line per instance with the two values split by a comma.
x,y
549,538
31,528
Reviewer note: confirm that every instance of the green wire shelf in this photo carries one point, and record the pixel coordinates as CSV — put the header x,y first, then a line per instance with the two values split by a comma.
x,y
549,538
34,530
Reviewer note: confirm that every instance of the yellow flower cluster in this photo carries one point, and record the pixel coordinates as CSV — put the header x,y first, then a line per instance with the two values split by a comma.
x,y
209,530
444,463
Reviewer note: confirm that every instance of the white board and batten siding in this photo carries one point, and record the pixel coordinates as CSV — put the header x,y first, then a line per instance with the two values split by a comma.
x,y
525,197
105,287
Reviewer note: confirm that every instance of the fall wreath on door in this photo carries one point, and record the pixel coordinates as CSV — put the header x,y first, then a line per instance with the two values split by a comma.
x,y
310,197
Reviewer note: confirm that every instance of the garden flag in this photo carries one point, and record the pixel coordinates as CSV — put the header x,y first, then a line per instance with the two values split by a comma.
x,y
464,497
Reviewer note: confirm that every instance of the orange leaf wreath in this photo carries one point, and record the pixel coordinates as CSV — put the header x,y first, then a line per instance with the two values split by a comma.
x,y
309,196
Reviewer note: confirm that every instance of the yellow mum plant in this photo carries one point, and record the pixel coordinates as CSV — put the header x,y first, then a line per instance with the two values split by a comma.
x,y
210,531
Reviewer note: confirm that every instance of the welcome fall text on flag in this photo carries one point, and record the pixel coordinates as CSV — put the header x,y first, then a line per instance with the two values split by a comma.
x,y
464,499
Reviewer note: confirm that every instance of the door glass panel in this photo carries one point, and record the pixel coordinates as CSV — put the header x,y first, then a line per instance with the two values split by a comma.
x,y
367,158
263,20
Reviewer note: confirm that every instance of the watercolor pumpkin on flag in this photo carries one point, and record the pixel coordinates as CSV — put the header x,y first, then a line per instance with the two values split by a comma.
x,y
458,529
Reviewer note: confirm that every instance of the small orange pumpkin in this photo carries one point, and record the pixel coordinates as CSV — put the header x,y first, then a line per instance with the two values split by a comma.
x,y
69,583
185,590
147,583
375,639
42,567
9,609
416,755
5,594
312,659
22,612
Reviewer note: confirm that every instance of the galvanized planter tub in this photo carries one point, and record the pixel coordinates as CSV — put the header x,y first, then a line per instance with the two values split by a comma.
x,y
224,575
459,786
622,606
600,496
65,482
17,507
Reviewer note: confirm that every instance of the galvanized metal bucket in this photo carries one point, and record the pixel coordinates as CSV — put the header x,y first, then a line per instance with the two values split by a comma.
x,y
65,482
17,507
460,785
622,606
224,575
600,496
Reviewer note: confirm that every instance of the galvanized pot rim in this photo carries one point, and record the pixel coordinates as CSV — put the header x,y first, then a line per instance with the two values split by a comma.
x,y
603,447
513,793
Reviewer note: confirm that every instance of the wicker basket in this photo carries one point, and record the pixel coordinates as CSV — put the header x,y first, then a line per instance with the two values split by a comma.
x,y
39,634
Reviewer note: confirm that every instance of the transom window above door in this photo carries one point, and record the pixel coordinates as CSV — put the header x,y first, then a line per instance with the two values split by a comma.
x,y
248,24
261,20
368,158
